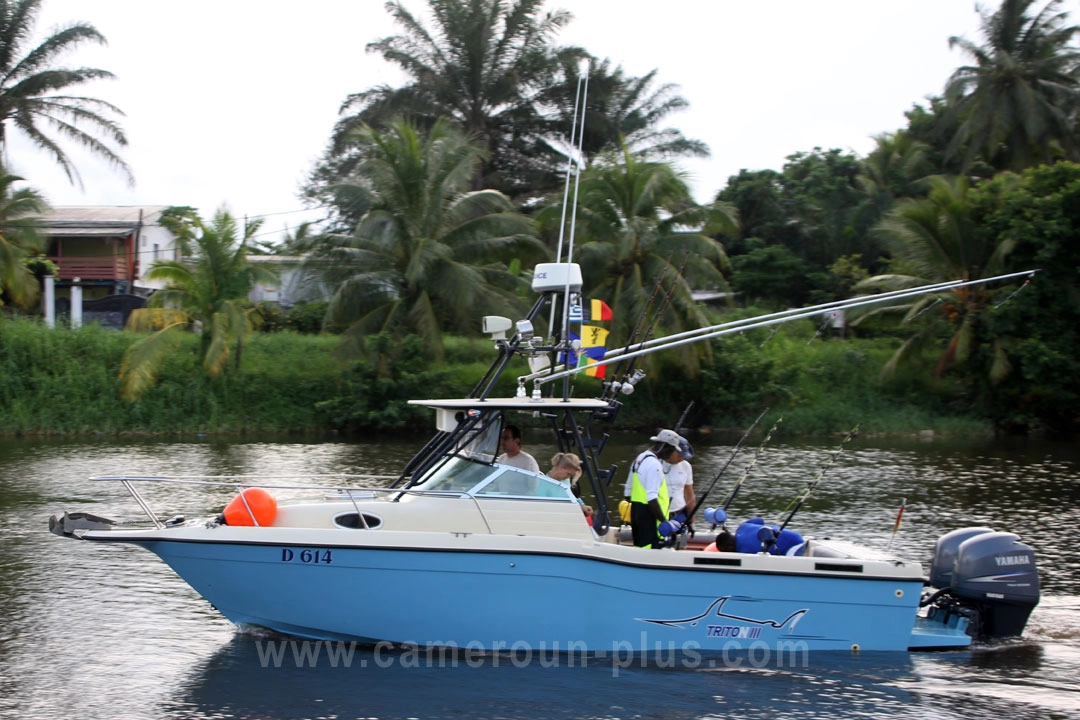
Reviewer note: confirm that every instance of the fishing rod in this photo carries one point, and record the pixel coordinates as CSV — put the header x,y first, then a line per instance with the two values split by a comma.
x,y
768,435
613,387
801,497
668,295
690,336
731,457
682,418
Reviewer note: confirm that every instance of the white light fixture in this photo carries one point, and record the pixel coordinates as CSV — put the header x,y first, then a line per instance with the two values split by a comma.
x,y
496,326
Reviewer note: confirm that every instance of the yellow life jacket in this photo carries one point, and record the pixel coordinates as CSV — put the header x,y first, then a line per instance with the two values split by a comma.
x,y
637,490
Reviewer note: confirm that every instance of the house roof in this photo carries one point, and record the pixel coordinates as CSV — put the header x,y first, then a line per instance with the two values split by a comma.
x,y
276,259
99,220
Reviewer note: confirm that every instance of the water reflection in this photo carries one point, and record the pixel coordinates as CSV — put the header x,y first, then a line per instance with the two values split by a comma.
x,y
240,680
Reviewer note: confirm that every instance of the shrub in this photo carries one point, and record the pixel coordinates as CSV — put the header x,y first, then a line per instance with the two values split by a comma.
x,y
307,318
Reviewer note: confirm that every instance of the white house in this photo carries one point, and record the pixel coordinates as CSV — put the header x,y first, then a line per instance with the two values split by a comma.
x,y
296,284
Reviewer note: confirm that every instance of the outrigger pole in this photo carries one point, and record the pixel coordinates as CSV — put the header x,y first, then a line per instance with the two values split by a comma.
x,y
575,158
714,331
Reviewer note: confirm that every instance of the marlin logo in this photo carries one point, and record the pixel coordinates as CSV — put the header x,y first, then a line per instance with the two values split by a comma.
x,y
1003,560
716,608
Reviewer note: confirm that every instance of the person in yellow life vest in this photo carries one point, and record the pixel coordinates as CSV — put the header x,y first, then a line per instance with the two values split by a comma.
x,y
648,491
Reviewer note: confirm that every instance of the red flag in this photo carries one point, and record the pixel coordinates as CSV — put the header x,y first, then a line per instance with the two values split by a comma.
x,y
599,310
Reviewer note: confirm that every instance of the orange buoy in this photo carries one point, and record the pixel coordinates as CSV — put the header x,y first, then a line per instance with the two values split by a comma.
x,y
263,508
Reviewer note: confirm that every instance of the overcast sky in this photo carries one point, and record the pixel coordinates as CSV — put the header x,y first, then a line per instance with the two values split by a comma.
x,y
231,101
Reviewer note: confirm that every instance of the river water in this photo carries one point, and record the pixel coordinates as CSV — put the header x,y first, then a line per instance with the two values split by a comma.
x,y
91,631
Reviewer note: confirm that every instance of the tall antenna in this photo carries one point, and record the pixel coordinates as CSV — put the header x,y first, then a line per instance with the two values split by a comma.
x,y
574,160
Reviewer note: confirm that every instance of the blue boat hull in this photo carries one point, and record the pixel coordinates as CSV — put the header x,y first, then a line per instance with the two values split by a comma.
x,y
536,601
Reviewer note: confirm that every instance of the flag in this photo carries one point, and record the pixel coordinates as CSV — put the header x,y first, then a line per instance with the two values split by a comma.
x,y
896,526
593,341
899,515
592,311
592,356
596,311
593,336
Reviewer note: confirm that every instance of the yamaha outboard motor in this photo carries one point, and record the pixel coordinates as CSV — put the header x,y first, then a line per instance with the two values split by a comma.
x,y
945,554
988,576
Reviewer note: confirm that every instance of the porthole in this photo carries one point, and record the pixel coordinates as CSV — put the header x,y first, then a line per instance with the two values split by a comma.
x,y
358,521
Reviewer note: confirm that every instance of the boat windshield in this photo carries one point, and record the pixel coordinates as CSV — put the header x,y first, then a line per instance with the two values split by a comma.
x,y
458,475
481,444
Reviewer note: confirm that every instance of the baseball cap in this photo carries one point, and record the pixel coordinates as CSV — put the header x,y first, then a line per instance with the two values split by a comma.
x,y
676,440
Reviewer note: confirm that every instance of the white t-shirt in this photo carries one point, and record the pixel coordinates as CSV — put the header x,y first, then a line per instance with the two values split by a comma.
x,y
678,477
522,460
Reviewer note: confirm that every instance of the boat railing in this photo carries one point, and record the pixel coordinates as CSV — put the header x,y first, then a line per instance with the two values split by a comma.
x,y
243,482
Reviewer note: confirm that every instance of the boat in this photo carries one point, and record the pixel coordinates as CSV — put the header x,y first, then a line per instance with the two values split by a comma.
x,y
464,551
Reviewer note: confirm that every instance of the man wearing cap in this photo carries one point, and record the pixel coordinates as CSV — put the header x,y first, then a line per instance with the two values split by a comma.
x,y
649,500
680,480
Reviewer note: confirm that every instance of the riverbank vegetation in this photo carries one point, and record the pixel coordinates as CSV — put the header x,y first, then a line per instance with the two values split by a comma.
x,y
66,382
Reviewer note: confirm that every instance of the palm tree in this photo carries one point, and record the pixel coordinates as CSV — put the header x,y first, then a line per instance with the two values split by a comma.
x,y
20,238
1018,101
620,110
483,65
935,239
493,68
208,292
893,170
640,226
423,258
33,91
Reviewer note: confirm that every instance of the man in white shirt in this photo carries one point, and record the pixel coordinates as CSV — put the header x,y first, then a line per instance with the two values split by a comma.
x,y
680,480
513,455
648,489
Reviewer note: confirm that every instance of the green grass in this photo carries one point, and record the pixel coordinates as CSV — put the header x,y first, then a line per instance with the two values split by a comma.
x,y
822,386
65,382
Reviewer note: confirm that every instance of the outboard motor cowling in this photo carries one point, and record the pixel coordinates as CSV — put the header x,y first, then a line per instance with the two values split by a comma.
x,y
941,570
996,573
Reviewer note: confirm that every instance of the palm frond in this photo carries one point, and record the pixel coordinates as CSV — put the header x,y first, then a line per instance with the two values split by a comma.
x,y
144,359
